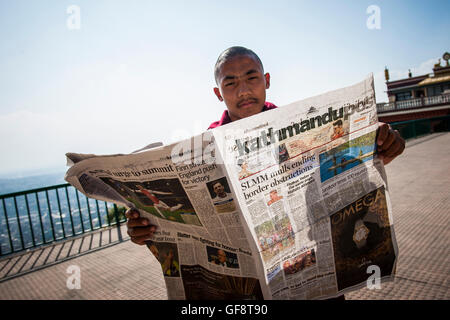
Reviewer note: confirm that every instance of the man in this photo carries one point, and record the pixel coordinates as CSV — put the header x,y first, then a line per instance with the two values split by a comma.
x,y
244,169
221,258
158,204
338,131
223,201
274,197
220,192
282,154
170,266
242,84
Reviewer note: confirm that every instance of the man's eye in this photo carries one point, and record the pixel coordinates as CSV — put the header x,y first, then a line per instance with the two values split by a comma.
x,y
252,78
229,84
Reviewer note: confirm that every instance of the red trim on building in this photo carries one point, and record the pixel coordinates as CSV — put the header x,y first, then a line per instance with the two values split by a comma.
x,y
413,116
405,82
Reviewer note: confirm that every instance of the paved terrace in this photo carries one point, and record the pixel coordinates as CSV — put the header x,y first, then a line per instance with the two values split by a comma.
x,y
419,182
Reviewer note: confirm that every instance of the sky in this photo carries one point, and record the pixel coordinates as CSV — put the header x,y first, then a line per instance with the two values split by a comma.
x,y
109,77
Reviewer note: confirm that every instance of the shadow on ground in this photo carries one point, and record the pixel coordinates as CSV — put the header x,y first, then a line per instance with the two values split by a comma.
x,y
31,260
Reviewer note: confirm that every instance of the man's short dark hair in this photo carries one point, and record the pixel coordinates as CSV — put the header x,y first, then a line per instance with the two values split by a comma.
x,y
217,182
231,53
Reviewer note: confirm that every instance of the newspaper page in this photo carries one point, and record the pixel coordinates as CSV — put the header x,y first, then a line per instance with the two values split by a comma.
x,y
313,193
184,190
288,204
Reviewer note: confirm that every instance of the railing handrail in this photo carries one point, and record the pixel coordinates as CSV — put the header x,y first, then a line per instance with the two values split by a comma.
x,y
24,192
414,103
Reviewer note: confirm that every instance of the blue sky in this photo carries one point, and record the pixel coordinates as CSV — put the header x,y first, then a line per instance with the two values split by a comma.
x,y
142,71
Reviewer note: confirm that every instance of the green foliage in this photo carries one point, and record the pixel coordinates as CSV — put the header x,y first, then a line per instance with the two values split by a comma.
x,y
120,213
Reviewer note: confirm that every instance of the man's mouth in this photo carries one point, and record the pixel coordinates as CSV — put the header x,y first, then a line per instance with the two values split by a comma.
x,y
247,103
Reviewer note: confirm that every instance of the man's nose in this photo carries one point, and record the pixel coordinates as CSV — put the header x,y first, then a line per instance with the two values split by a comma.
x,y
243,89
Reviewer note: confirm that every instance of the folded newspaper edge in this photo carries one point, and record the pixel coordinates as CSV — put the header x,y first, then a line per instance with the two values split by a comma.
x,y
291,203
73,158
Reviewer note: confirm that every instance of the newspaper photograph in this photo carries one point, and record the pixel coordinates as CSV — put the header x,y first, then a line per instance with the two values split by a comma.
x,y
291,203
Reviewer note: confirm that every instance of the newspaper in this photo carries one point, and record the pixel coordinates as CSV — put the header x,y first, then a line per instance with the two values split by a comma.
x,y
291,203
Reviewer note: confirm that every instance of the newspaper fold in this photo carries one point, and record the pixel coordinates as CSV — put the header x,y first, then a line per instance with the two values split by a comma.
x,y
291,203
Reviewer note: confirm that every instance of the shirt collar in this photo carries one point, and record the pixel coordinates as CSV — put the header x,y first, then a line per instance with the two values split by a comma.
x,y
225,119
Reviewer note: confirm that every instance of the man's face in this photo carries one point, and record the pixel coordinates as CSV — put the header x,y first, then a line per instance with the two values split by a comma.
x,y
273,195
218,188
242,85
222,256
244,166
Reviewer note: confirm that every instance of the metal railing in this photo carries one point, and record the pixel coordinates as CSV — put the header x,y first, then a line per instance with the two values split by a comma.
x,y
416,128
37,217
414,103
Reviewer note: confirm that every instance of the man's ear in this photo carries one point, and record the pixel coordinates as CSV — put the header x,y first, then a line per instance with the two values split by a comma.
x,y
267,77
217,93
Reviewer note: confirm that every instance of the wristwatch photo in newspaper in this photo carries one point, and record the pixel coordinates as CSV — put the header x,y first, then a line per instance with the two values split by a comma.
x,y
360,234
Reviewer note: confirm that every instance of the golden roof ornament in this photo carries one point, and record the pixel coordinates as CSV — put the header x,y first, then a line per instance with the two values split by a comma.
x,y
438,65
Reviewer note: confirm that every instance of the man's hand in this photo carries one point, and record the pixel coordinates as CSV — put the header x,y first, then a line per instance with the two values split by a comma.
x,y
139,229
389,143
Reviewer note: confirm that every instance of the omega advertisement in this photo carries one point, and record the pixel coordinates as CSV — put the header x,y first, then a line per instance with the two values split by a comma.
x,y
361,235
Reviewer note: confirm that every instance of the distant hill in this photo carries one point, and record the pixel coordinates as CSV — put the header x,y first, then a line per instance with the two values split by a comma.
x,y
8,185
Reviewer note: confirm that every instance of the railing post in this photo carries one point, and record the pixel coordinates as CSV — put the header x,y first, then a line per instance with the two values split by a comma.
x,y
98,214
70,210
116,214
79,212
7,225
29,220
49,217
107,213
89,212
18,223
60,212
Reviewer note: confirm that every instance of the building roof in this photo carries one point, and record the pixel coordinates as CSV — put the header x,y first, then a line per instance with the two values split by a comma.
x,y
406,82
434,80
